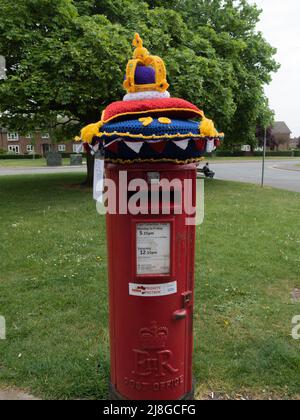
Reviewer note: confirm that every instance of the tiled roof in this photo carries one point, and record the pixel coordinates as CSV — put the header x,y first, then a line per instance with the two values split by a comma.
x,y
280,127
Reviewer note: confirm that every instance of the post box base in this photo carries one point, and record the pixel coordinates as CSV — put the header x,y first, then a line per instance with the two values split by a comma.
x,y
114,395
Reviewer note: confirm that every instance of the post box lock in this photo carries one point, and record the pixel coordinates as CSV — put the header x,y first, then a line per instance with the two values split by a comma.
x,y
187,297
187,300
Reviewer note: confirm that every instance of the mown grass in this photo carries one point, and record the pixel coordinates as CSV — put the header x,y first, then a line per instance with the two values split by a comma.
x,y
53,290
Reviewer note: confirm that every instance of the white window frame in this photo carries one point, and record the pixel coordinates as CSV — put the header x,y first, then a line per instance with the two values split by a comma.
x,y
45,135
29,148
12,136
14,148
75,147
246,148
61,147
28,136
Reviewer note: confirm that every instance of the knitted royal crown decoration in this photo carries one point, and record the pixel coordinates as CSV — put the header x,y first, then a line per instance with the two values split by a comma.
x,y
148,125
144,72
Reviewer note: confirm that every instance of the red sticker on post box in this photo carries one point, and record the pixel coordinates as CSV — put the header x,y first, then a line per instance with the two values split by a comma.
x,y
148,290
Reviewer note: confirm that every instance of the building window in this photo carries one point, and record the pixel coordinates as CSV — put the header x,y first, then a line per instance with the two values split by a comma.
x,y
77,148
29,148
45,136
61,147
12,136
28,136
246,148
14,149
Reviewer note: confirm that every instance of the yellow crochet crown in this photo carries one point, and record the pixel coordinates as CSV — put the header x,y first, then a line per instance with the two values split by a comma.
x,y
142,57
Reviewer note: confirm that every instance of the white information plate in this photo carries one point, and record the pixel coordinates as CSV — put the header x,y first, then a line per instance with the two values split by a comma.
x,y
153,248
148,290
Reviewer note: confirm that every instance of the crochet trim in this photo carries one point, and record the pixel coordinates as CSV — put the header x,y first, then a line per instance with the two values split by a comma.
x,y
166,160
164,136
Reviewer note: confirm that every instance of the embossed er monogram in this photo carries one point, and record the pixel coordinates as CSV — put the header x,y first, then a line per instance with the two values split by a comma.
x,y
153,358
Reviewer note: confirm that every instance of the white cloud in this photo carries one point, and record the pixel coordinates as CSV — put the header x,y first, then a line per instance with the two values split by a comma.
x,y
280,26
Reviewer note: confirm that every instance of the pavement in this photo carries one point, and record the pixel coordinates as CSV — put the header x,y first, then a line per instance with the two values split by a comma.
x,y
15,394
283,174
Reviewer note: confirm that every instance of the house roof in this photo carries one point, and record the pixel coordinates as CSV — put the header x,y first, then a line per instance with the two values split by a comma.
x,y
280,127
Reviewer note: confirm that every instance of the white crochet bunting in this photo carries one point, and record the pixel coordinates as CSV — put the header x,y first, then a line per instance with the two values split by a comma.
x,y
134,145
183,144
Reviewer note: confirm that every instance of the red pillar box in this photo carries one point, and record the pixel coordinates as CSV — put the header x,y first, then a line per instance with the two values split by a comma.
x,y
151,140
151,283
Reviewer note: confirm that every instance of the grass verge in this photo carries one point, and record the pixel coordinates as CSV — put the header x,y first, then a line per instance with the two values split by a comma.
x,y
53,290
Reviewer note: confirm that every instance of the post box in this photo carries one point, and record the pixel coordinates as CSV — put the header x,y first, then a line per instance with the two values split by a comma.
x,y
151,283
152,144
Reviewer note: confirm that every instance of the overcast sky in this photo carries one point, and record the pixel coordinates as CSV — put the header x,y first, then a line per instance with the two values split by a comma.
x,y
280,23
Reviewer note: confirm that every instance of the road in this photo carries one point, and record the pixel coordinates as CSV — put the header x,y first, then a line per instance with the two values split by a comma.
x,y
282,174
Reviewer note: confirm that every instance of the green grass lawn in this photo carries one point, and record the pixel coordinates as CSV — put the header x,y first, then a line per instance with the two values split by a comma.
x,y
53,290
28,163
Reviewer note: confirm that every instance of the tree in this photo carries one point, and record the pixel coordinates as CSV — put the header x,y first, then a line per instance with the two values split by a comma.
x,y
260,135
66,60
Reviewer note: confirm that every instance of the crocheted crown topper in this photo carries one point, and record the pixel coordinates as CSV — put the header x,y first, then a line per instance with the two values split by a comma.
x,y
144,72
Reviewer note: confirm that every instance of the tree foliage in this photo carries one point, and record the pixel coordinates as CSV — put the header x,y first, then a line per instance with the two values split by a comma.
x,y
67,59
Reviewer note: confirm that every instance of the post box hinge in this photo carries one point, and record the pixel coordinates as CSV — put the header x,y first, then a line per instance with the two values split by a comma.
x,y
187,297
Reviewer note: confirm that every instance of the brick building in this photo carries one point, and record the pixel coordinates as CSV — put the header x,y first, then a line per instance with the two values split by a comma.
x,y
281,135
295,143
40,143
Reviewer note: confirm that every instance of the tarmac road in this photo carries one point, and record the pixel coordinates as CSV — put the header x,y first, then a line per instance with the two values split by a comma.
x,y
283,174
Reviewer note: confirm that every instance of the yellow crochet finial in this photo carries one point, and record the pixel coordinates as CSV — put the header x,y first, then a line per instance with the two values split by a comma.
x,y
207,128
137,40
140,53
90,131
